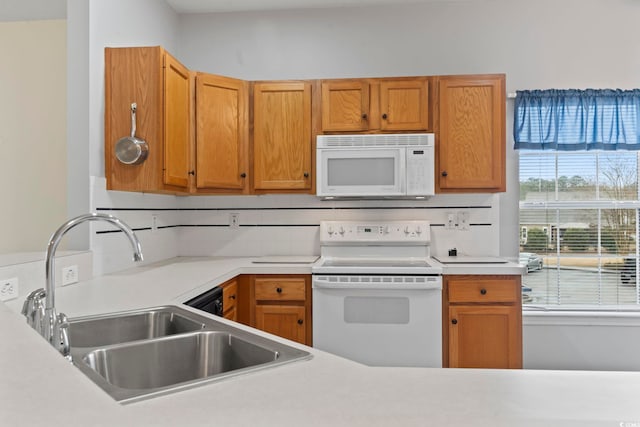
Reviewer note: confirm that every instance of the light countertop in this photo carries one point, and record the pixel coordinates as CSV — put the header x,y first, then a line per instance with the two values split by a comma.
x,y
38,385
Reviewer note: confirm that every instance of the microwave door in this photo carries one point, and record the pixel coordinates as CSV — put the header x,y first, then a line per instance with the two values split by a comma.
x,y
361,172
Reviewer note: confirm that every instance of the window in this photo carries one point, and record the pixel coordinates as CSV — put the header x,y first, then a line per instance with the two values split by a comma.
x,y
579,213
579,200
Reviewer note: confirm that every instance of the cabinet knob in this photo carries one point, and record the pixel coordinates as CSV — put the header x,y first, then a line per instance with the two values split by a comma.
x,y
192,172
384,116
364,116
232,297
444,173
243,175
483,291
306,174
300,321
454,321
279,290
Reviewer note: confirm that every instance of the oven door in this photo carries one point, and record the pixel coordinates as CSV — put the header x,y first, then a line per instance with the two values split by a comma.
x,y
379,320
363,172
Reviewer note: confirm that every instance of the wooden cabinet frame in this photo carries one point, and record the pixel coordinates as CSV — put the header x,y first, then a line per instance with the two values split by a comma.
x,y
163,114
399,104
482,321
470,128
268,134
221,149
292,301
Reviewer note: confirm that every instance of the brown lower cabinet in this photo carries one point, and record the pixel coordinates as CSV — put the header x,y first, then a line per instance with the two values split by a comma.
x,y
230,299
281,305
482,321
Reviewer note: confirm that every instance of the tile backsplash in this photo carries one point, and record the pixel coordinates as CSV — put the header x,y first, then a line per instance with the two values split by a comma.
x,y
270,224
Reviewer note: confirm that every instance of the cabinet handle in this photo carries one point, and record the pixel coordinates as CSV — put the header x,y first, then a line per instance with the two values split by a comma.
x,y
300,321
364,116
444,173
306,174
483,291
243,175
384,116
454,321
279,290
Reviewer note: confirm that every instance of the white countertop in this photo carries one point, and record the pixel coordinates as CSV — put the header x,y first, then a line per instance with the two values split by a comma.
x,y
38,386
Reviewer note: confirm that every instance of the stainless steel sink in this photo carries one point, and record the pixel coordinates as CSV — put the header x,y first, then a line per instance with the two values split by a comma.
x,y
165,355
108,329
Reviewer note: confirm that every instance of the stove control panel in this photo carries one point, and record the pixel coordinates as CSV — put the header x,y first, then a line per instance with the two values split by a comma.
x,y
375,232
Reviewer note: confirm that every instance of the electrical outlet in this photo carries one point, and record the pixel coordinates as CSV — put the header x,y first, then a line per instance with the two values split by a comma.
x,y
234,220
8,289
154,223
451,221
69,275
463,220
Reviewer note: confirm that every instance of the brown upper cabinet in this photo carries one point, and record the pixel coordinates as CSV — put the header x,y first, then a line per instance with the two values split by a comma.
x,y
209,134
161,88
282,143
357,105
222,135
470,133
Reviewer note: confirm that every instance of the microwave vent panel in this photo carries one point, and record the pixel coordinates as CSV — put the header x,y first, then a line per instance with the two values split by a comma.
x,y
385,140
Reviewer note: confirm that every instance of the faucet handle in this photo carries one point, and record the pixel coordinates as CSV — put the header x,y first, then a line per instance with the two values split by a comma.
x,y
63,344
33,307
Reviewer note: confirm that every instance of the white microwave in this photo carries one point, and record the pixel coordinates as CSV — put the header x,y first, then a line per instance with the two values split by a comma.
x,y
375,166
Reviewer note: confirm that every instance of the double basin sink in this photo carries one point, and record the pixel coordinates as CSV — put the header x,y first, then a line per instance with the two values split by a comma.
x,y
141,354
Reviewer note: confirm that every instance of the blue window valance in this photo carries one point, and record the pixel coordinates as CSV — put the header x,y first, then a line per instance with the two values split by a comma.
x,y
570,119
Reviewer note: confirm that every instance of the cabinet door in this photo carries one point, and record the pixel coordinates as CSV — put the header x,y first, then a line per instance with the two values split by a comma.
x,y
484,336
177,138
345,105
471,147
404,105
282,136
134,75
221,132
283,320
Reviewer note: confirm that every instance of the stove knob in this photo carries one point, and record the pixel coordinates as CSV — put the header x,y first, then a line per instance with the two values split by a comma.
x,y
387,230
341,231
418,231
406,230
330,230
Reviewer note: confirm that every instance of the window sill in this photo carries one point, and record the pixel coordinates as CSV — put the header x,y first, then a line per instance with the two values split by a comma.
x,y
580,317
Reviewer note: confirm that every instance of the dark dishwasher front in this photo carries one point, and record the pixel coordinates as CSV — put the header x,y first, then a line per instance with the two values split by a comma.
x,y
210,301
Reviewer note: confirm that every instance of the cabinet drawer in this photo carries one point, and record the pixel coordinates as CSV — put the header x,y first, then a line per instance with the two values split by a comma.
x,y
280,289
483,290
230,295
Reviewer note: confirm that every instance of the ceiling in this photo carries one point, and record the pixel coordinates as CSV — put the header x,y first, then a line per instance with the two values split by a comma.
x,y
211,6
26,10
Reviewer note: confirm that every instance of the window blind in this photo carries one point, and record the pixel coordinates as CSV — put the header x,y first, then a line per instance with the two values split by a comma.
x,y
579,213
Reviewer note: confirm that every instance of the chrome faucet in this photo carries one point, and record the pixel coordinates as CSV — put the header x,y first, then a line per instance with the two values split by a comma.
x,y
43,317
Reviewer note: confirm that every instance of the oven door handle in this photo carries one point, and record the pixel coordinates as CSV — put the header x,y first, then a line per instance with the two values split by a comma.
x,y
320,283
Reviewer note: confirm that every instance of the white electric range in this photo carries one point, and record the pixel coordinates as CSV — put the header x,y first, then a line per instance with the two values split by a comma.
x,y
377,294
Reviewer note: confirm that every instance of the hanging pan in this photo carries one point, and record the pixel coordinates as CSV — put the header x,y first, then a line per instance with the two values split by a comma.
x,y
129,149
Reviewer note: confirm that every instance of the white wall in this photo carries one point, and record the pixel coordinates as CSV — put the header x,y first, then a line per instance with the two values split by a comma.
x,y
94,25
582,341
32,133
